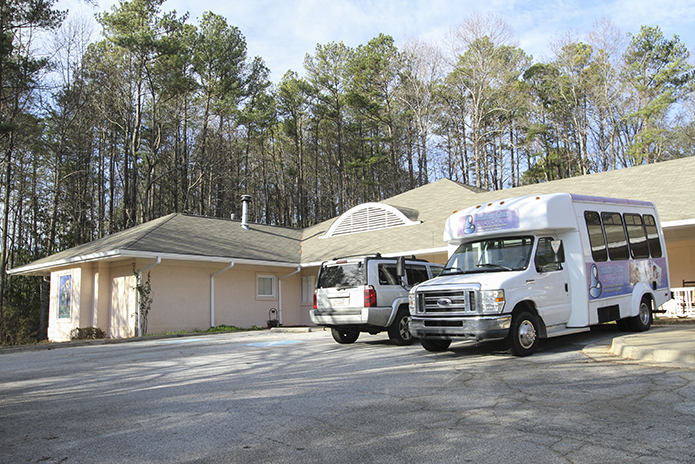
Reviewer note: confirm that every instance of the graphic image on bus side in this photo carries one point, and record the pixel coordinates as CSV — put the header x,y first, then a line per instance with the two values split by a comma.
x,y
540,266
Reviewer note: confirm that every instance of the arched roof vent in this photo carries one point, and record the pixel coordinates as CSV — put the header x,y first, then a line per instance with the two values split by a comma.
x,y
371,216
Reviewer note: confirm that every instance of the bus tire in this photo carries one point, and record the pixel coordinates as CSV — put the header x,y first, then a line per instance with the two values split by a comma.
x,y
523,335
624,325
643,320
435,345
344,336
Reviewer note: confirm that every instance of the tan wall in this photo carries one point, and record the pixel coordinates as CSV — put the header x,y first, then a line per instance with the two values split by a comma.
x,y
681,261
122,307
181,296
438,258
101,301
303,318
86,295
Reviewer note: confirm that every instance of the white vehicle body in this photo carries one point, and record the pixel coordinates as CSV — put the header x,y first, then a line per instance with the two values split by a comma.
x,y
564,262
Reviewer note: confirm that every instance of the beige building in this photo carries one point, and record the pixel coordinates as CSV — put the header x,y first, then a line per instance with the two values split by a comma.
x,y
206,272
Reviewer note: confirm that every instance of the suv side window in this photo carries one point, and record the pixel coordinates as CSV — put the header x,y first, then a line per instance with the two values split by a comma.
x,y
387,274
416,274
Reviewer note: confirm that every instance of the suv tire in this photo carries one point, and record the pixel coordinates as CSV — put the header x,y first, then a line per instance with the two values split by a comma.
x,y
344,336
398,331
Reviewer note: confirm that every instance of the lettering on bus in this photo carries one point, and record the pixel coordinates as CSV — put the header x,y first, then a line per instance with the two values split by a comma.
x,y
488,221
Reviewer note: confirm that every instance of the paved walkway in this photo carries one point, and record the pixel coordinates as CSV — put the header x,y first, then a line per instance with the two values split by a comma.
x,y
672,345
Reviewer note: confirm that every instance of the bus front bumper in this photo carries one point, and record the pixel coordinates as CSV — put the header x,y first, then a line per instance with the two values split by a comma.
x,y
471,327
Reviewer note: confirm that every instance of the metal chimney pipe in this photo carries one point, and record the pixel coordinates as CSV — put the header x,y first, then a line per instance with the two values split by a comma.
x,y
245,200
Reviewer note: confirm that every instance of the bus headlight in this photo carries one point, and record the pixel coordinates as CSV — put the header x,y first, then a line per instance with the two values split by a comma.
x,y
492,301
412,307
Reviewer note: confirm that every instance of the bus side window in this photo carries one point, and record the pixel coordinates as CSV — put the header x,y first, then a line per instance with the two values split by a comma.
x,y
596,239
652,236
615,236
636,236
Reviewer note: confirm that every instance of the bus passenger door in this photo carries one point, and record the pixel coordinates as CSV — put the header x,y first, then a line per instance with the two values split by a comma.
x,y
552,284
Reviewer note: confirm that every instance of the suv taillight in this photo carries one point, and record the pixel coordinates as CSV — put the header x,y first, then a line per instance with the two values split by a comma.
x,y
369,297
315,306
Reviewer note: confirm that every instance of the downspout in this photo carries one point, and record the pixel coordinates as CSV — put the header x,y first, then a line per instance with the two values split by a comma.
x,y
212,292
280,293
159,260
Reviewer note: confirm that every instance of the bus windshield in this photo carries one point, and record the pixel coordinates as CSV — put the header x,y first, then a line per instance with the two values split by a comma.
x,y
491,255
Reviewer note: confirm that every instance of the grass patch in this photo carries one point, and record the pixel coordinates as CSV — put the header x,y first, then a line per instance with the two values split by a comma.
x,y
216,329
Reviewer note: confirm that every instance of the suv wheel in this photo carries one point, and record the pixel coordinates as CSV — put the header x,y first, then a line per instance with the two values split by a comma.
x,y
399,333
344,336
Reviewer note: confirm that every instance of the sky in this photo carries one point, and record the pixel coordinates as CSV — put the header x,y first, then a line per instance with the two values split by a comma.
x,y
282,32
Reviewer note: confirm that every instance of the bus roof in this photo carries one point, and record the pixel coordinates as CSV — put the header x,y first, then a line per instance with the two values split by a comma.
x,y
533,213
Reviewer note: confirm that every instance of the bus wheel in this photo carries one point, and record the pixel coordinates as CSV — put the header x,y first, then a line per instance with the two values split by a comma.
x,y
344,336
643,321
435,345
523,335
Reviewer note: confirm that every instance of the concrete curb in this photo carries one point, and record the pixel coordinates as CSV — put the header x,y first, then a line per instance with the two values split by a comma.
x,y
652,355
661,344
298,329
101,341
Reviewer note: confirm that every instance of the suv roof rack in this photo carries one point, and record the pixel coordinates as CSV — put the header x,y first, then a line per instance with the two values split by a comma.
x,y
376,255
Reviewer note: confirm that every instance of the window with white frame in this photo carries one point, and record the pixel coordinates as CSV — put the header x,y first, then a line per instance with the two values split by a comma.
x,y
308,283
265,286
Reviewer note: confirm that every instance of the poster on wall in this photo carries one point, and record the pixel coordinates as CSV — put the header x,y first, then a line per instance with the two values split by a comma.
x,y
64,297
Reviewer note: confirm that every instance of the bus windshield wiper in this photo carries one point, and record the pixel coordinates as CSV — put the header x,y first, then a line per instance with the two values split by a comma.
x,y
494,265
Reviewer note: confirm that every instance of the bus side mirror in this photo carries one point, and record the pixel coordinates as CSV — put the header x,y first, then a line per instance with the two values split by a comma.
x,y
559,250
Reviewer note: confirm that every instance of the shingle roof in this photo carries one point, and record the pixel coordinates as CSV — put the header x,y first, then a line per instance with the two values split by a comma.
x,y
431,204
667,184
181,236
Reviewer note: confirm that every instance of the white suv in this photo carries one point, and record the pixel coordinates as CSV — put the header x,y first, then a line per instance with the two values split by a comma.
x,y
369,294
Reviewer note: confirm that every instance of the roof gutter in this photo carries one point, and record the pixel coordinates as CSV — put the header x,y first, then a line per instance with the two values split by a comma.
x,y
299,268
212,292
117,254
679,223
159,260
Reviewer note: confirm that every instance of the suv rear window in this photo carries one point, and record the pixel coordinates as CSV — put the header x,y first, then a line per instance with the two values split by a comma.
x,y
341,275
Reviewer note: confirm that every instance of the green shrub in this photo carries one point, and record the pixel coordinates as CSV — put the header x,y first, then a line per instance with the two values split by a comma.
x,y
87,333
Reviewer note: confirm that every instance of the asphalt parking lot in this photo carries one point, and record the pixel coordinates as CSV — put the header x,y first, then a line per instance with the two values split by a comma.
x,y
302,398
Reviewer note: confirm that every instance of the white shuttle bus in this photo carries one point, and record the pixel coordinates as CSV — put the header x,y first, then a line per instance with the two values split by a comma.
x,y
540,266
